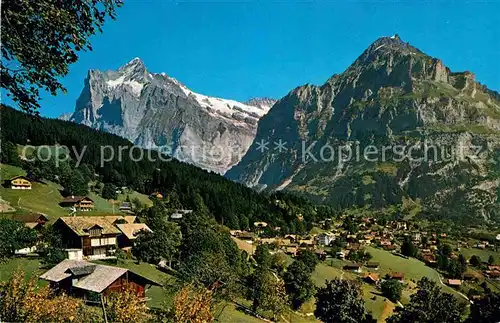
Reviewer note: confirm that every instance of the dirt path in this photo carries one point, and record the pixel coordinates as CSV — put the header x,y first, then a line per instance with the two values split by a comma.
x,y
459,293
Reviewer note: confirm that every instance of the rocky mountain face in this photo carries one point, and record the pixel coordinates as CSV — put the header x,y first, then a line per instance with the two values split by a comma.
x,y
156,111
397,131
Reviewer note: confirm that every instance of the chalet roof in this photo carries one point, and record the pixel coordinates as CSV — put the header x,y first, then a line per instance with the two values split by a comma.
x,y
31,225
58,273
100,278
372,276
130,230
372,264
125,218
492,273
82,270
20,176
125,205
81,224
30,217
397,275
75,199
97,277
454,282
352,266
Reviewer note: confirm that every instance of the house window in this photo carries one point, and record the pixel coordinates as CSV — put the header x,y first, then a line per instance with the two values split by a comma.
x,y
95,232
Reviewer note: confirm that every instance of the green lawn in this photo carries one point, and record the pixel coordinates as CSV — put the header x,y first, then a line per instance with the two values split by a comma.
x,y
483,254
135,195
45,197
30,266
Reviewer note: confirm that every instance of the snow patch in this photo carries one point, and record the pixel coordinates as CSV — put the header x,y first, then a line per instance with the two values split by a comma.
x,y
135,87
224,107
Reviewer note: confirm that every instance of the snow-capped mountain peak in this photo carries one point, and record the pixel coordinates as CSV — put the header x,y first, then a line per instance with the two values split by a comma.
x,y
156,110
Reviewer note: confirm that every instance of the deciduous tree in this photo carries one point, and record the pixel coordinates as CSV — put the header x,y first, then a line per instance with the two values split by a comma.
x,y
485,310
298,283
340,302
309,258
125,306
429,305
193,304
269,293
14,236
392,289
40,39
22,301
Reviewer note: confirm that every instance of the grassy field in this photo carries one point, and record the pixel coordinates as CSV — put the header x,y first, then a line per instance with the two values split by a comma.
x,y
483,254
45,197
30,266
378,305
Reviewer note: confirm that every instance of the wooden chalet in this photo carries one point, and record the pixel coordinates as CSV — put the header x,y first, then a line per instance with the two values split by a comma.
x,y
455,283
83,279
80,203
32,220
125,207
129,233
96,236
372,265
398,276
20,183
353,267
372,278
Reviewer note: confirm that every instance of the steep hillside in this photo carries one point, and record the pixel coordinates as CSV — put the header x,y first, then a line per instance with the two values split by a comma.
x,y
232,204
44,197
393,96
156,111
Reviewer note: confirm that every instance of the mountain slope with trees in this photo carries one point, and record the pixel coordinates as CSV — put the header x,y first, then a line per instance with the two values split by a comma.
x,y
233,205
393,96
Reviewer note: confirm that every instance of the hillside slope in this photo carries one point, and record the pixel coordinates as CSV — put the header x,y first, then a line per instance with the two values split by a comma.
x,y
232,204
393,96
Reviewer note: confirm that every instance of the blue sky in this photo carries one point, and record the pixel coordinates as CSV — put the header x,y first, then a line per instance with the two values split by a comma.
x,y
255,49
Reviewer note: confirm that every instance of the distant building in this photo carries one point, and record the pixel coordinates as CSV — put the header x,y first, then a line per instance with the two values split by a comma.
x,y
82,279
455,283
398,276
126,207
372,278
325,239
179,214
340,254
291,250
20,183
372,265
80,203
129,233
353,267
32,220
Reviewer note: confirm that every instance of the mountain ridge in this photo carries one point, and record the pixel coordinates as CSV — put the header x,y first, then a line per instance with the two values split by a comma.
x,y
157,111
392,94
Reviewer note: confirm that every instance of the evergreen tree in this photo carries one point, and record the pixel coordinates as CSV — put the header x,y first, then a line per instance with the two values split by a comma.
x,y
9,154
109,191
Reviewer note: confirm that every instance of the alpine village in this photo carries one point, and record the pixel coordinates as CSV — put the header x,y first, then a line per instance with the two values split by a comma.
x,y
90,232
